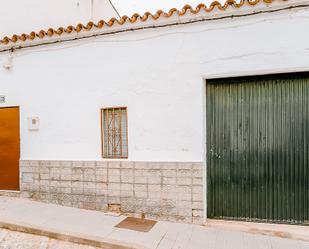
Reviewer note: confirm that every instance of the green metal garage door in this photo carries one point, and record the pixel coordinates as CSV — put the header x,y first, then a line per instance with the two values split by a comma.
x,y
258,148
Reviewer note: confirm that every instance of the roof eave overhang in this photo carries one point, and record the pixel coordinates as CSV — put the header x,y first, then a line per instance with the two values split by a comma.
x,y
163,21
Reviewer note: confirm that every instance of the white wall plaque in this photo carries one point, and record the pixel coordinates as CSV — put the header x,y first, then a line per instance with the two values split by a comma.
x,y
2,99
33,124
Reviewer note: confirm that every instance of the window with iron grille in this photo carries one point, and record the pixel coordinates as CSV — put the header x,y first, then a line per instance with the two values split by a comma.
x,y
114,132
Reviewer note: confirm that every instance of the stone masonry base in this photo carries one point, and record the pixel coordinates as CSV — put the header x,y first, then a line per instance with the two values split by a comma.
x,y
168,191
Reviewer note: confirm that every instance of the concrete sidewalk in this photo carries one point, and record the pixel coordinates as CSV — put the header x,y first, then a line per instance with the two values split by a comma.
x,y
97,229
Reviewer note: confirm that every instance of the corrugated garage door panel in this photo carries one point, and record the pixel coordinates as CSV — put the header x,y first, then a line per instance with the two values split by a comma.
x,y
257,148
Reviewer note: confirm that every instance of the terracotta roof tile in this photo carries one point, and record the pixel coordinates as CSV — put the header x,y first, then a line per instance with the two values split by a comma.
x,y
125,19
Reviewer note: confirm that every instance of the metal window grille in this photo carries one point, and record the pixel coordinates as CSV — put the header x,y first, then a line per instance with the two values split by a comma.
x,y
114,132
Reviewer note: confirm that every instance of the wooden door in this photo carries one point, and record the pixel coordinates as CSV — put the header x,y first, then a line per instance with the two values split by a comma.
x,y
9,148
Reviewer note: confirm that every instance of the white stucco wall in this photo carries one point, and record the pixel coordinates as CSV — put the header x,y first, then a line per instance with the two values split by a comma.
x,y
25,16
158,74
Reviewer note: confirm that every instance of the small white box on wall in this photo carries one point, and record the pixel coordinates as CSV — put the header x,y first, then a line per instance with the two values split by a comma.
x,y
2,99
33,124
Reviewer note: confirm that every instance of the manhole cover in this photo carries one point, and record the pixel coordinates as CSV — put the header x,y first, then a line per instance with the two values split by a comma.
x,y
140,225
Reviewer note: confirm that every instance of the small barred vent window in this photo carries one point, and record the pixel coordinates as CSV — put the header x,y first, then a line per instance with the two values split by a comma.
x,y
114,132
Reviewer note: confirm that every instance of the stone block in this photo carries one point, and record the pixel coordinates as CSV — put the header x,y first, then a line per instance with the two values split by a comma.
x,y
127,205
169,173
114,178
169,211
197,213
184,204
197,165
65,175
197,173
197,189
89,164
141,165
184,166
114,172
77,177
127,165
184,197
45,196
101,171
77,184
53,189
44,189
154,210
154,179
76,198
89,205
140,188
140,180
89,198
197,197
185,212
127,187
169,189
101,178
34,163
100,207
89,191
101,191
197,205
66,190
154,173
114,165
127,179
101,185
155,187
186,181
113,200
89,185
101,164
44,170
141,194
89,177
127,172
184,173
169,180
126,193
154,195
198,181
168,195
54,183
27,177
155,166
102,201
184,190
25,194
65,184
44,176
169,166
65,164
114,186
54,174
140,172
114,192
77,191
198,220
140,206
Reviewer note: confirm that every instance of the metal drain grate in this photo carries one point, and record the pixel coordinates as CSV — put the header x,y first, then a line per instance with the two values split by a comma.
x,y
136,224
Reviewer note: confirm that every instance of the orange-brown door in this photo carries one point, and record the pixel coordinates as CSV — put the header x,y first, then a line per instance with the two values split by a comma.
x,y
9,148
